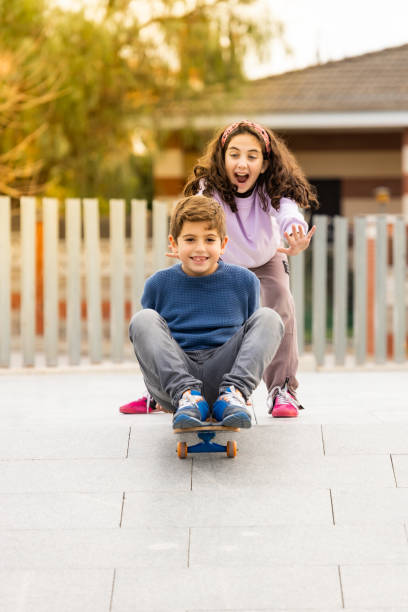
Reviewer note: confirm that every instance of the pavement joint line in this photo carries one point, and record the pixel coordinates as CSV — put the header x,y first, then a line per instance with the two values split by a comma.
x,y
332,506
122,508
324,448
393,470
128,444
341,587
189,545
112,590
191,474
254,414
406,531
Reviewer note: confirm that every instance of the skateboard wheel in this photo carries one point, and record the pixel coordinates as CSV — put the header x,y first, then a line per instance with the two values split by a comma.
x,y
181,450
231,448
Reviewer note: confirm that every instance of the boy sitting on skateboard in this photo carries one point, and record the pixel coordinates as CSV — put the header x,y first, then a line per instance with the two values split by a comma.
x,y
201,339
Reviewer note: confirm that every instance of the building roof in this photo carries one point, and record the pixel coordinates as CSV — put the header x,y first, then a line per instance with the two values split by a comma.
x,y
365,91
375,81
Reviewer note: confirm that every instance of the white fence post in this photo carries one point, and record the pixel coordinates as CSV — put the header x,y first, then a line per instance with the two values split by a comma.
x,y
117,277
160,235
93,279
5,281
380,289
340,289
73,251
138,250
360,289
319,305
297,277
399,261
28,252
50,220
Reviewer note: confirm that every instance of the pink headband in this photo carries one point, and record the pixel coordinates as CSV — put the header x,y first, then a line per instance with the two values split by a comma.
x,y
255,126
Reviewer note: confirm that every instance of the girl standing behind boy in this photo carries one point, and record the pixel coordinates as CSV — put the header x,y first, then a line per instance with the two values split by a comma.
x,y
252,174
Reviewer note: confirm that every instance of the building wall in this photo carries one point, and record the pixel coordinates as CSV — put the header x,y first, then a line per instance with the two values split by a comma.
x,y
360,173
352,207
350,164
169,171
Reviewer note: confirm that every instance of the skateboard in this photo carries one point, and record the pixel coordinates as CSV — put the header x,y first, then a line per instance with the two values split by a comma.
x,y
206,434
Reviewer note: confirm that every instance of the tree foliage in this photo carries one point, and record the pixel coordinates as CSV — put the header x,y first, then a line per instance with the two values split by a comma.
x,y
79,86
26,88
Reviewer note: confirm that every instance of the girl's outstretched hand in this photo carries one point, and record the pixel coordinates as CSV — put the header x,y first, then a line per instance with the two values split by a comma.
x,y
297,241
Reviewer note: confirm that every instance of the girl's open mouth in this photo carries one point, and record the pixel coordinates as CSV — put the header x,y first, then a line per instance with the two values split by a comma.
x,y
242,178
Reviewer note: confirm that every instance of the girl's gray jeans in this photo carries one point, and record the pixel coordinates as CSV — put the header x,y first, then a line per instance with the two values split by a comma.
x,y
168,370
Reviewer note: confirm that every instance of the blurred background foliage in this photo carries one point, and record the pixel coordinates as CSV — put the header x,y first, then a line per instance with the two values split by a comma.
x,y
82,93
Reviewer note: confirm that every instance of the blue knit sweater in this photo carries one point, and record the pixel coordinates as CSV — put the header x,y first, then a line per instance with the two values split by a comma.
x,y
203,311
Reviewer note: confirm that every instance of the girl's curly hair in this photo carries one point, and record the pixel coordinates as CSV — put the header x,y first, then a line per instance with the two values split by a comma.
x,y
283,177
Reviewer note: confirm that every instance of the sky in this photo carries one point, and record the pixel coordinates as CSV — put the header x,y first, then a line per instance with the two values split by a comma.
x,y
322,30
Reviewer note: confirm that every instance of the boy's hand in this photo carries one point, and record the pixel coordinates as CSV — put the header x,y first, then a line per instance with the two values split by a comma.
x,y
297,240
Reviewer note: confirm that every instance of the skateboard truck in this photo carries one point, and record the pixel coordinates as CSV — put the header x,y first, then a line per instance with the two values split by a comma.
x,y
206,435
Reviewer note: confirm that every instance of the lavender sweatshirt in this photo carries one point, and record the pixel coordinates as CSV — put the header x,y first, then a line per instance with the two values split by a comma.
x,y
254,235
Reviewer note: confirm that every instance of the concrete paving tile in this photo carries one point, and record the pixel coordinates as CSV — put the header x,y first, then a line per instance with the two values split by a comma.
x,y
94,548
229,589
63,442
52,591
85,395
322,408
297,544
60,510
353,395
94,475
293,471
400,463
260,505
281,438
375,586
366,439
391,415
381,505
157,440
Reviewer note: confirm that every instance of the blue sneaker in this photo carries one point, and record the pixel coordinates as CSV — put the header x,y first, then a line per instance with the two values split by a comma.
x,y
231,409
192,410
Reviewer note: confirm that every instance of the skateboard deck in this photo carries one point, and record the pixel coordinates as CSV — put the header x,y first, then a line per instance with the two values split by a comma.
x,y
206,434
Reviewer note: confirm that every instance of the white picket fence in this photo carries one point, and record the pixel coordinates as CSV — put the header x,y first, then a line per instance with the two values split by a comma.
x,y
128,269
390,289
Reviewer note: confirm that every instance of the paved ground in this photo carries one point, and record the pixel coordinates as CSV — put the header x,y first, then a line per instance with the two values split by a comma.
x,y
98,514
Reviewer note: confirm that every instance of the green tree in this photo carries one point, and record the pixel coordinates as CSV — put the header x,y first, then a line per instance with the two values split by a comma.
x,y
26,89
118,73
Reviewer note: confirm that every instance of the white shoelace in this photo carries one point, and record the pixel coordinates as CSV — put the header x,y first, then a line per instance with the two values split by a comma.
x,y
187,399
233,395
284,395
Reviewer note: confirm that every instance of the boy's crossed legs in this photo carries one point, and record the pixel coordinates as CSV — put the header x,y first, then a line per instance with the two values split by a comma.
x,y
188,382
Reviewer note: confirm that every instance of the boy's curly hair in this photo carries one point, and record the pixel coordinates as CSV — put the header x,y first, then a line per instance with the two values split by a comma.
x,y
283,177
198,208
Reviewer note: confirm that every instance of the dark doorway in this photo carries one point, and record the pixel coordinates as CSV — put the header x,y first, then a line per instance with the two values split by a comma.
x,y
329,195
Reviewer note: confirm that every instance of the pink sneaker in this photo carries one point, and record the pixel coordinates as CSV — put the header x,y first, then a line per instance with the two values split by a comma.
x,y
281,403
143,405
